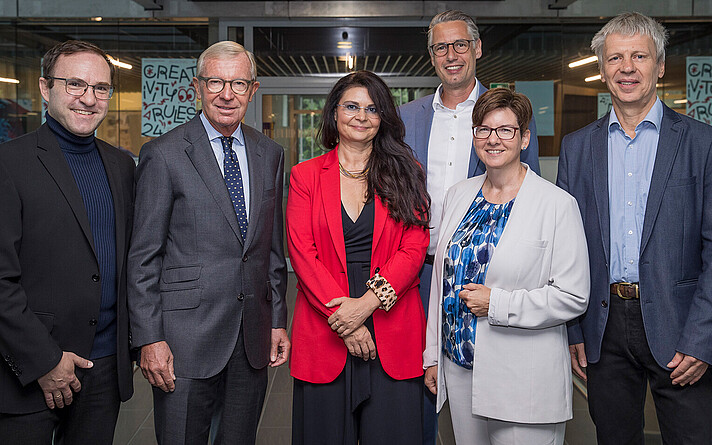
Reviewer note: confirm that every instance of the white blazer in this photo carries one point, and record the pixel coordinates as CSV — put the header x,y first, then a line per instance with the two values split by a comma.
x,y
539,278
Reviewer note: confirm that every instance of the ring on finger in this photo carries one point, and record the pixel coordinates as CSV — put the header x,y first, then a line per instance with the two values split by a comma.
x,y
58,396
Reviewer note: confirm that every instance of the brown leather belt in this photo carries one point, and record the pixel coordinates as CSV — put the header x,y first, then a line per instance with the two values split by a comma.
x,y
429,259
626,291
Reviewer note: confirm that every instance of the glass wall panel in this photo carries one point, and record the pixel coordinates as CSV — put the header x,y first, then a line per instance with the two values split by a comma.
x,y
23,43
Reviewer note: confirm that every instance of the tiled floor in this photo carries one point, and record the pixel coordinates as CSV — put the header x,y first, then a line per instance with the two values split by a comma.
x,y
135,424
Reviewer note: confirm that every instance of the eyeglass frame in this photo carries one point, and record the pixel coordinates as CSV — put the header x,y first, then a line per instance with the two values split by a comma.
x,y
377,113
496,131
224,81
469,46
93,87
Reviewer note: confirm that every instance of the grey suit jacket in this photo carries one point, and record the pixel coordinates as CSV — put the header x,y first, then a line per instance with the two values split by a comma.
x,y
675,265
193,282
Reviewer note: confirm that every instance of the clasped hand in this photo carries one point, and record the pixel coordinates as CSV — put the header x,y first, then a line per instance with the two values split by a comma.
x,y
476,298
360,344
352,312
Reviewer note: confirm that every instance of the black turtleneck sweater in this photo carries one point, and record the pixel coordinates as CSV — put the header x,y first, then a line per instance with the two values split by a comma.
x,y
84,161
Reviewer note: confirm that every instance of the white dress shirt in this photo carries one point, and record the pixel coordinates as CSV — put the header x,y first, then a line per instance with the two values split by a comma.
x,y
238,146
449,151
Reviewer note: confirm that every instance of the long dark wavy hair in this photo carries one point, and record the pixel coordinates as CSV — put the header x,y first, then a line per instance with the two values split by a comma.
x,y
393,172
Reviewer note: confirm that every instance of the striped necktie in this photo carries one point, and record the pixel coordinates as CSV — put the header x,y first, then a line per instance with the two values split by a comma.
x,y
233,181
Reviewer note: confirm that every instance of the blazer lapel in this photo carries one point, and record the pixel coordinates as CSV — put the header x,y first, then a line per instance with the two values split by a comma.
x,y
255,166
331,199
599,164
462,205
113,175
668,145
51,157
423,121
474,159
379,221
201,155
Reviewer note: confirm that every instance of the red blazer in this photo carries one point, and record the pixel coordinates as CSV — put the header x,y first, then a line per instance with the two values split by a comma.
x,y
316,249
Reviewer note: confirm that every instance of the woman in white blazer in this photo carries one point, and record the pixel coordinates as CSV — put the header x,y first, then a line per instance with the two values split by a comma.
x,y
521,238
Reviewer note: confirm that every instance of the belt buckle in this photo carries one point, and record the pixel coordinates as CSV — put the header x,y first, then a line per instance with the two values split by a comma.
x,y
626,284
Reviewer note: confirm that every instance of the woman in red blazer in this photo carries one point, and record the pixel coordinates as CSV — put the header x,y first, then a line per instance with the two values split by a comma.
x,y
357,232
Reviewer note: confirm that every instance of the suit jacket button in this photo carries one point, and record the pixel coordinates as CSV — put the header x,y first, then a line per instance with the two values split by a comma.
x,y
95,278
241,296
604,304
244,259
93,322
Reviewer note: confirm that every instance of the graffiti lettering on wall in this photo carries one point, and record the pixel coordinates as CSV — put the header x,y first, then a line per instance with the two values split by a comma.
x,y
699,88
167,94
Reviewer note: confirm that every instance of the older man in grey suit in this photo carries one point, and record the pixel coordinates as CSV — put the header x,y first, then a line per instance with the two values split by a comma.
x,y
206,267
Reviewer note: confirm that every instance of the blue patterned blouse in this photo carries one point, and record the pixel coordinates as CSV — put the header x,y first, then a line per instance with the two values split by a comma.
x,y
467,258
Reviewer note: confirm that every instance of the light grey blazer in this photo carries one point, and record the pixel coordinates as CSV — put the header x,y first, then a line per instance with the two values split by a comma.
x,y
192,280
540,280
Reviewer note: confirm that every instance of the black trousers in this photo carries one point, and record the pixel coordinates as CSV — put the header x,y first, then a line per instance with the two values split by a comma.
x,y
617,387
229,402
91,418
336,413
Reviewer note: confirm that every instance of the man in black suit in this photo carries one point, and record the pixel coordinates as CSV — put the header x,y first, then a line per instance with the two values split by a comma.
x,y
66,201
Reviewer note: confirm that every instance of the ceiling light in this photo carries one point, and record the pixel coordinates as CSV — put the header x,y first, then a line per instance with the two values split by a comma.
x,y
9,80
96,19
123,65
585,61
592,78
680,101
343,45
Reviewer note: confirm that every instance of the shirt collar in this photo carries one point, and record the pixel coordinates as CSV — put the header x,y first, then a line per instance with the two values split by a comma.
x,y
654,116
215,134
471,99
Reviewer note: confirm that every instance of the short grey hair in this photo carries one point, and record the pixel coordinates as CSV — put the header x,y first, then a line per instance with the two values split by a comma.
x,y
453,15
629,24
226,50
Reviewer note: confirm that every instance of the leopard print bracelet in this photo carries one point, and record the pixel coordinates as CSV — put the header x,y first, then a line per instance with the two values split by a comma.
x,y
383,290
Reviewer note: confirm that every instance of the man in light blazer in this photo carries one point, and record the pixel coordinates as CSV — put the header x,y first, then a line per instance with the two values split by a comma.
x,y
66,203
206,268
439,130
642,176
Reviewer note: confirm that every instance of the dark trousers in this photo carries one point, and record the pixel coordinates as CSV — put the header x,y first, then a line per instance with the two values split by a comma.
x,y
617,387
324,414
230,401
430,415
91,418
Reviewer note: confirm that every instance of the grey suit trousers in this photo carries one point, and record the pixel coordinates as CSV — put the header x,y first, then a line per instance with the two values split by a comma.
x,y
230,403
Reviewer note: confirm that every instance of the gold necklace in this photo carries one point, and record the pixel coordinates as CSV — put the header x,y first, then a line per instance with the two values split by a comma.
x,y
353,175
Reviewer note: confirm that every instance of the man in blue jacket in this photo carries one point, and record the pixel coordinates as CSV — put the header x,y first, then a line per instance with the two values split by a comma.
x,y
439,130
642,176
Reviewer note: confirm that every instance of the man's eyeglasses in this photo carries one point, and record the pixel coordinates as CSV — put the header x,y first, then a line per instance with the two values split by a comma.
x,y
504,133
77,87
460,47
216,85
353,109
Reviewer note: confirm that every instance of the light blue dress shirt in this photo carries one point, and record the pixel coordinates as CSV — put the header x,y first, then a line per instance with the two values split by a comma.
x,y
238,146
630,169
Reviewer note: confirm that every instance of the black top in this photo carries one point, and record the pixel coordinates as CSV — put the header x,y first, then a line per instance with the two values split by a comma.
x,y
358,238
85,162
